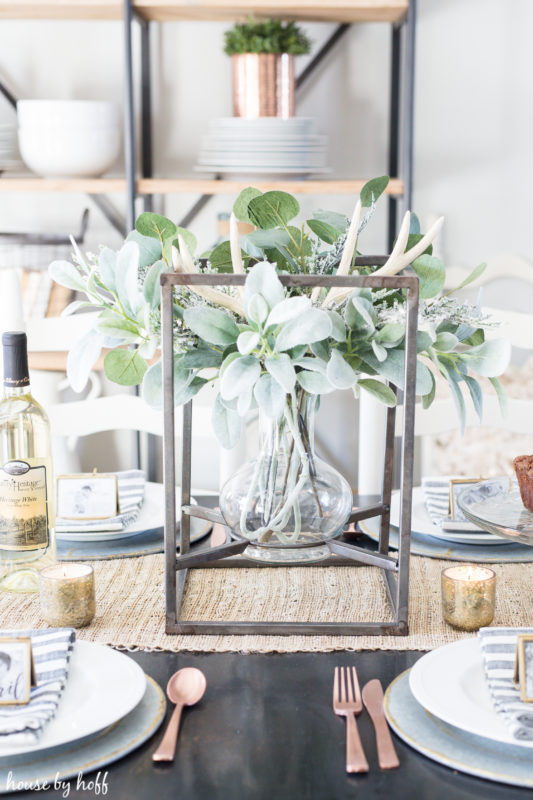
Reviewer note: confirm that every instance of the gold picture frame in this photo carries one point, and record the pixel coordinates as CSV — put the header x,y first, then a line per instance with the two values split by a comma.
x,y
17,670
523,671
101,505
455,484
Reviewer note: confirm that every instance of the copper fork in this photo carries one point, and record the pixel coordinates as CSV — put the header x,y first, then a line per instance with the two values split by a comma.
x,y
347,703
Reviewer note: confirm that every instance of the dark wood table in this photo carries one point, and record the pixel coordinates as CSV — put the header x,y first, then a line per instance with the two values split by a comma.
x,y
265,730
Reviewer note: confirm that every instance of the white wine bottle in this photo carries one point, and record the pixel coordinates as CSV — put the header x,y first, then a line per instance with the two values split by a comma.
x,y
27,535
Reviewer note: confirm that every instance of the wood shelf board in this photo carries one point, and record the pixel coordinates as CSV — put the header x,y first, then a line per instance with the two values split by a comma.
x,y
168,10
190,186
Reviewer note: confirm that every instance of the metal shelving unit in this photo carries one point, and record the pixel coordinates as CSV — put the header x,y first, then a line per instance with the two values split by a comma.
x,y
400,14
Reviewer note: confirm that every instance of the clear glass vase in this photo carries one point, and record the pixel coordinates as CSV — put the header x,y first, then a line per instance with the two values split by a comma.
x,y
287,502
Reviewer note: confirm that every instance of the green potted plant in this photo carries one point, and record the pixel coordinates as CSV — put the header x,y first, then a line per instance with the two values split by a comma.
x,y
262,53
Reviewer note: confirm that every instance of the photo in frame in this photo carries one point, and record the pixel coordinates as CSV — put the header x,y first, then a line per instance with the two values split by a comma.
x,y
17,672
87,496
456,487
523,671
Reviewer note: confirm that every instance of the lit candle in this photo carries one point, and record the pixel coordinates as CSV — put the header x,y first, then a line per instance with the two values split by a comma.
x,y
67,595
468,595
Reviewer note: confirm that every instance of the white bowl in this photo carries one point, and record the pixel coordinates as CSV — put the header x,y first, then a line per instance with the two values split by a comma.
x,y
68,113
69,152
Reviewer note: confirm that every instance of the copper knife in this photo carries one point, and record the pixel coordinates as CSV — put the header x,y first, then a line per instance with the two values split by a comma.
x,y
373,699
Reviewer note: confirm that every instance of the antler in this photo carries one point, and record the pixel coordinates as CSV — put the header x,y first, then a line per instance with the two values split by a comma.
x,y
346,258
209,294
398,260
235,250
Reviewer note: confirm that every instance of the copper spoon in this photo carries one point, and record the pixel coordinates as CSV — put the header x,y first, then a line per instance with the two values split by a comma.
x,y
185,688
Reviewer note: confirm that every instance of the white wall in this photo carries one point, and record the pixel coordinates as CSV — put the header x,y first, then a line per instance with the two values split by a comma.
x,y
473,149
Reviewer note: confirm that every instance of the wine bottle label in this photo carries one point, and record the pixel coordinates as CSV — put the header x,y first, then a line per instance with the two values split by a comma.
x,y
23,507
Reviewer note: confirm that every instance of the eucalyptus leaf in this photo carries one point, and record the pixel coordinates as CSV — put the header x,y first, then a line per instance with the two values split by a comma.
x,y
272,209
211,324
338,328
391,335
457,395
379,351
82,357
311,326
270,396
373,189
321,349
476,273
393,369
152,382
226,424
220,258
152,284
269,239
327,233
282,371
247,341
262,279
240,206
314,382
66,274
257,309
500,392
489,359
379,390
476,394
428,399
431,274
414,223
339,372
126,276
125,367
119,328
107,264
189,239
445,342
287,309
201,357
155,226
77,305
333,219
189,391
149,248
239,376
413,239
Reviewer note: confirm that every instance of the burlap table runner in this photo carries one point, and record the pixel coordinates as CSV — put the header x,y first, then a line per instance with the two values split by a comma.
x,y
130,605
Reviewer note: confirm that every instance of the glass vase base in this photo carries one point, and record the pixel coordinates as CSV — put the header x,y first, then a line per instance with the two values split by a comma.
x,y
287,555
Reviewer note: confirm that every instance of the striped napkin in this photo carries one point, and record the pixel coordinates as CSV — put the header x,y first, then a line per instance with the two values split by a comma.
x,y
437,499
498,646
51,655
130,494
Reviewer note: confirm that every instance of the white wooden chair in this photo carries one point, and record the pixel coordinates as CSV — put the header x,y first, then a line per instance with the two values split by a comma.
x,y
442,415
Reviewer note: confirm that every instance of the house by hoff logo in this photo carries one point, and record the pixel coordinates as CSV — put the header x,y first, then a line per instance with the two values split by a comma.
x,y
97,785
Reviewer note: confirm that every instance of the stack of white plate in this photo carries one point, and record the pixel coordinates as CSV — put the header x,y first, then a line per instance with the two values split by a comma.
x,y
268,145
107,709
9,157
450,684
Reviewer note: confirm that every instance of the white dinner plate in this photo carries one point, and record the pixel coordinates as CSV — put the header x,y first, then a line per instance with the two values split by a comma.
x,y
103,686
450,683
421,523
152,516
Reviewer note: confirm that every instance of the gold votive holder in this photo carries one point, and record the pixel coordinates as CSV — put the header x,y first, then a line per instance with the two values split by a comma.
x,y
67,595
468,596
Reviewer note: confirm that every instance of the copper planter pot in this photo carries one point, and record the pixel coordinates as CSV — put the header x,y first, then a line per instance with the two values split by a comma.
x,y
263,85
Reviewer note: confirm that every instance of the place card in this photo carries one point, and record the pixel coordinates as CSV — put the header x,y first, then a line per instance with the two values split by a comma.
x,y
87,496
523,668
17,670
